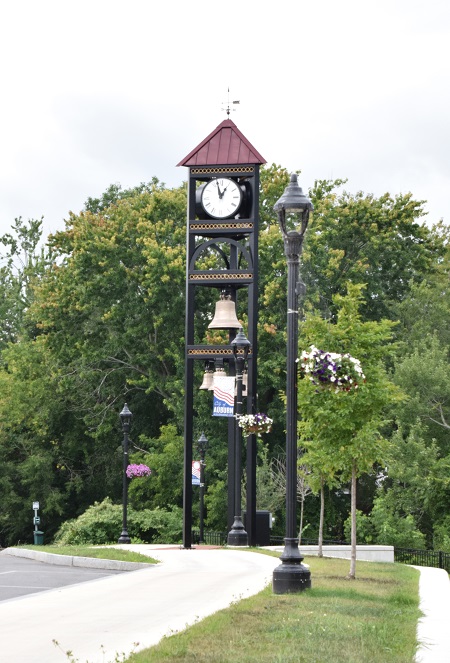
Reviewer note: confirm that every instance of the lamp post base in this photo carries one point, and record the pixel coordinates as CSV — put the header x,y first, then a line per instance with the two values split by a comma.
x,y
237,536
291,579
124,538
291,576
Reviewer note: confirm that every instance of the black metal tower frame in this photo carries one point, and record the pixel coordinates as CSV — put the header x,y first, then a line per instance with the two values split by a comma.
x,y
241,236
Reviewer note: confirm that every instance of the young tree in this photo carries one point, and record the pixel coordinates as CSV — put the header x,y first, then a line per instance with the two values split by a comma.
x,y
346,423
323,469
303,489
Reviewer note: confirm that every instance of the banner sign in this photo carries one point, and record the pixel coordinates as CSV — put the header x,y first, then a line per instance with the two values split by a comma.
x,y
223,404
195,472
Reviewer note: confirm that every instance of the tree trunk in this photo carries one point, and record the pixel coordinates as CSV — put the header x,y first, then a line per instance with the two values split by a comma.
x,y
322,511
352,573
302,503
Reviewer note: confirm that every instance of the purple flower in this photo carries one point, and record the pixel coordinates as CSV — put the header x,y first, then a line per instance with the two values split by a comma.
x,y
141,470
333,371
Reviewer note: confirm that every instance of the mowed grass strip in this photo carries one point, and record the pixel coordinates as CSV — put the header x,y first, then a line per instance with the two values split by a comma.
x,y
97,552
372,619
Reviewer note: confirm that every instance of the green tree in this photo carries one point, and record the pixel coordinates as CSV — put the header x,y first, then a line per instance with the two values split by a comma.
x,y
381,242
425,311
359,238
424,374
98,320
109,316
114,193
414,486
417,486
323,471
112,307
347,425
395,530
164,456
441,535
423,361
364,527
34,466
22,262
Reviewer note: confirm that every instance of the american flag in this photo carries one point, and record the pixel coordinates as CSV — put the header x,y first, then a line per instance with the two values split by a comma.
x,y
195,472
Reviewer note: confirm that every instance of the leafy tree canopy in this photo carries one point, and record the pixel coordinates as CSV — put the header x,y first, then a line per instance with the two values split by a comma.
x,y
347,425
97,319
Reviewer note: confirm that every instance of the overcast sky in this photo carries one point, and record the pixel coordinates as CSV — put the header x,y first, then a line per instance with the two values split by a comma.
x,y
99,92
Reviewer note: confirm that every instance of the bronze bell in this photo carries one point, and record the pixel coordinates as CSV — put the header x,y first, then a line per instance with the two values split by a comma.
x,y
225,316
219,371
208,377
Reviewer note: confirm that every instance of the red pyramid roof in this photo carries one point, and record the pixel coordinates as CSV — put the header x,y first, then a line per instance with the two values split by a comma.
x,y
225,145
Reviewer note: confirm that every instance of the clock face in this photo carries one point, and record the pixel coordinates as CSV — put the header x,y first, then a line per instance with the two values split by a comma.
x,y
221,198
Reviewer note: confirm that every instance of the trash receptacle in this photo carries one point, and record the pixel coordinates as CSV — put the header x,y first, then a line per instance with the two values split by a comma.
x,y
38,538
263,526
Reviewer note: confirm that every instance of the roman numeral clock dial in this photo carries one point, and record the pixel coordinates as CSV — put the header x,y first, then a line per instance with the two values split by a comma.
x,y
221,198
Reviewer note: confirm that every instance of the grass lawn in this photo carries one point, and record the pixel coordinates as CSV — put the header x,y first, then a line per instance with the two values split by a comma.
x,y
372,619
93,551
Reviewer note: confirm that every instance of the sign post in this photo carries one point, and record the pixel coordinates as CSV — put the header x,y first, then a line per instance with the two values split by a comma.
x,y
38,536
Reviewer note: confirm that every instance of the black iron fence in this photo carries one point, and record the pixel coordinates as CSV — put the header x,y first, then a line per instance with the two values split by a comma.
x,y
210,538
435,558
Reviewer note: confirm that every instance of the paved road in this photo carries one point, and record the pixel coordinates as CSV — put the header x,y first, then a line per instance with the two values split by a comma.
x,y
108,615
97,620
20,576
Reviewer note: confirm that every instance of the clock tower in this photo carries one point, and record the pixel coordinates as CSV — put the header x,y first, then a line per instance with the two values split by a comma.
x,y
222,230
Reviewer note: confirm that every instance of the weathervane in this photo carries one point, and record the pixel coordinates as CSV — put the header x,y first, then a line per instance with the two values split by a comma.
x,y
228,109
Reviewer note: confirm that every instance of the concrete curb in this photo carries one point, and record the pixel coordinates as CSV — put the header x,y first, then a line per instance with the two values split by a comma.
x,y
364,553
67,560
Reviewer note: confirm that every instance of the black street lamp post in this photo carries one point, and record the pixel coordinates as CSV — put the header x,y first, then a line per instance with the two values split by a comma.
x,y
293,208
237,536
202,444
125,417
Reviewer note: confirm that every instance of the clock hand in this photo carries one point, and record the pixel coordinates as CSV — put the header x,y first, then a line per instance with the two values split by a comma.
x,y
227,187
220,192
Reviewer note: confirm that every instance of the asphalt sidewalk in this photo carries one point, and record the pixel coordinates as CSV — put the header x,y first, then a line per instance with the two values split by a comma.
x,y
99,619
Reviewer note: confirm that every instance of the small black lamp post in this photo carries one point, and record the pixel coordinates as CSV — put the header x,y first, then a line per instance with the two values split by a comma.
x,y
293,210
125,417
237,536
202,444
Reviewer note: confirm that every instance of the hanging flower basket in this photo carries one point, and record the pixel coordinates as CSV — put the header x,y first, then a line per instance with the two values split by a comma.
x,y
255,423
331,371
134,471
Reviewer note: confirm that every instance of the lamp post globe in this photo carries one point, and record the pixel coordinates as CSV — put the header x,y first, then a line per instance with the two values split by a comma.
x,y
293,209
237,536
125,417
